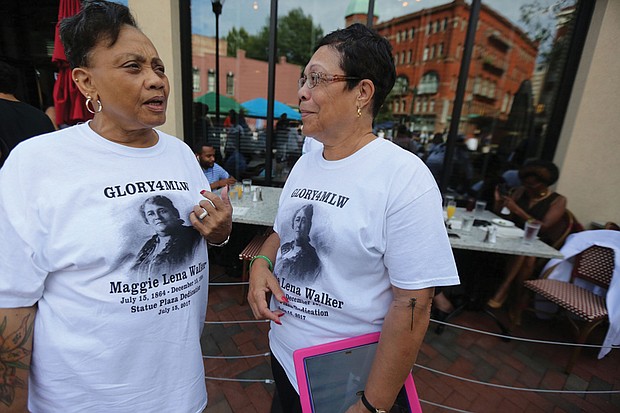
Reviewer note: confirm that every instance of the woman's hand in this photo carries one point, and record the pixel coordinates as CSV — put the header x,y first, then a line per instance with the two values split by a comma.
x,y
216,225
262,284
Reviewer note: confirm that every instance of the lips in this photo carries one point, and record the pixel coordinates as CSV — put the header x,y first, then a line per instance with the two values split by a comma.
x,y
156,103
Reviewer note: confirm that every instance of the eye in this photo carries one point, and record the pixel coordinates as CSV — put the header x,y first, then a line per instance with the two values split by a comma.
x,y
315,78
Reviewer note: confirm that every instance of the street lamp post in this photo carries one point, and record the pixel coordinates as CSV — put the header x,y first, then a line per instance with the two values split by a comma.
x,y
217,10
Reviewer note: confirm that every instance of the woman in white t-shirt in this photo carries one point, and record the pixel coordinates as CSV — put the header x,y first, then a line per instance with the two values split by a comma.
x,y
88,331
377,228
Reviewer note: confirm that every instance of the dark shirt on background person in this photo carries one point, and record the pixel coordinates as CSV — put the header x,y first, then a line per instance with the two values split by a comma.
x,y
18,120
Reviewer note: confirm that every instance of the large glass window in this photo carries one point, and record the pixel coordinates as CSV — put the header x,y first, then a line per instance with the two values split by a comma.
x,y
519,56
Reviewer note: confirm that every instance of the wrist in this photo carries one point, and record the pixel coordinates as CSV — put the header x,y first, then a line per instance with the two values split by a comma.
x,y
369,406
219,244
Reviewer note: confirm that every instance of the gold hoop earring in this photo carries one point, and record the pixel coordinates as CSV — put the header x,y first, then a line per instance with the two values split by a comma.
x,y
359,112
93,111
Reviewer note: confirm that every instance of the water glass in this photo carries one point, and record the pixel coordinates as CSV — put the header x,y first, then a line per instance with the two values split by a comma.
x,y
530,231
468,222
247,186
479,208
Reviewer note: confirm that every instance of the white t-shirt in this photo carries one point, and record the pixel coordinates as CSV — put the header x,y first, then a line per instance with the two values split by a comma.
x,y
120,309
374,220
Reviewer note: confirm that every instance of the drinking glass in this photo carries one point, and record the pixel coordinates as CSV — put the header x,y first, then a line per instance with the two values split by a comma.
x,y
247,186
446,200
468,222
479,208
450,209
530,231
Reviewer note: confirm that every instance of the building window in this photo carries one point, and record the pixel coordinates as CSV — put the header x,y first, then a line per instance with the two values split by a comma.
x,y
211,81
428,28
436,29
505,102
432,54
444,24
429,84
397,37
476,90
411,32
440,50
195,79
417,106
403,105
230,84
431,106
425,55
492,90
424,106
408,56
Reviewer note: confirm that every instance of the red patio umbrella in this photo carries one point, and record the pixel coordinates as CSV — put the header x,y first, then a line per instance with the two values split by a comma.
x,y
68,101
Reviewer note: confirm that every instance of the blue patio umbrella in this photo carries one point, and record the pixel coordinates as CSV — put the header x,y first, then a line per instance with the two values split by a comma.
x,y
257,108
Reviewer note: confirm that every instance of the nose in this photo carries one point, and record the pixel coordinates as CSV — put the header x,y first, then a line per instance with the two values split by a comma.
x,y
303,93
155,80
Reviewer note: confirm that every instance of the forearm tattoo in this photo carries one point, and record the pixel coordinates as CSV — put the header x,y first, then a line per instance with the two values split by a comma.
x,y
14,348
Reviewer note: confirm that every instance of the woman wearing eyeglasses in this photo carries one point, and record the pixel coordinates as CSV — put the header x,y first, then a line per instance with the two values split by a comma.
x,y
377,228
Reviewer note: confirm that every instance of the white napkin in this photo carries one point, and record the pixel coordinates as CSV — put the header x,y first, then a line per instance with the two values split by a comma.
x,y
509,232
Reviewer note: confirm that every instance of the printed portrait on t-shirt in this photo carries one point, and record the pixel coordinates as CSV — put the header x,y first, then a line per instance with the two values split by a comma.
x,y
298,258
171,246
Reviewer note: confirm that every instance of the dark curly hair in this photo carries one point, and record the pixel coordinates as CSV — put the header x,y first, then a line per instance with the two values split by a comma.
x,y
366,55
98,21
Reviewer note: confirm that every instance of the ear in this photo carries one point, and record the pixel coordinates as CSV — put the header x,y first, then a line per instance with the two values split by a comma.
x,y
366,90
83,80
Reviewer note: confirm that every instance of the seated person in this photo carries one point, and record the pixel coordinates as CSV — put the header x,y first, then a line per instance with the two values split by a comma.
x,y
217,176
533,200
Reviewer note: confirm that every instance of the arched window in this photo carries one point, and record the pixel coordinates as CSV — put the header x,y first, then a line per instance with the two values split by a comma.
x,y
429,83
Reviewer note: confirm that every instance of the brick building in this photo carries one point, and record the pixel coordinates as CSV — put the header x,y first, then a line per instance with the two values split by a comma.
x,y
240,77
428,48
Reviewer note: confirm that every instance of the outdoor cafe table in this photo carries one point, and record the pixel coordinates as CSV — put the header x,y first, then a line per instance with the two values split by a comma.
x,y
474,240
247,211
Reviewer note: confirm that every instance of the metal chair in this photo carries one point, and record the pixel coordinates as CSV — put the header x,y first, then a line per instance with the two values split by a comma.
x,y
585,310
249,252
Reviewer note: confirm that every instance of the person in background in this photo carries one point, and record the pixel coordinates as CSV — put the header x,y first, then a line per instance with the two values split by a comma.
x,y
404,139
83,332
18,120
365,217
533,200
216,175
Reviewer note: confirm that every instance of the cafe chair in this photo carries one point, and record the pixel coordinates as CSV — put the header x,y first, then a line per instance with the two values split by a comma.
x,y
584,309
246,255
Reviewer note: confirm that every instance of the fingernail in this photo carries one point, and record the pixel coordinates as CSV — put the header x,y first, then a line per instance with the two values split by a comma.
x,y
203,192
280,315
284,299
277,322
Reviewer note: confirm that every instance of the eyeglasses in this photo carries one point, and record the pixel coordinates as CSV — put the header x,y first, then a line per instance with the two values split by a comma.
x,y
316,78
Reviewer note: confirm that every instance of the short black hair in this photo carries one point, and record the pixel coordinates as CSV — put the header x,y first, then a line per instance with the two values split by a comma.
x,y
9,78
544,171
366,55
198,147
98,21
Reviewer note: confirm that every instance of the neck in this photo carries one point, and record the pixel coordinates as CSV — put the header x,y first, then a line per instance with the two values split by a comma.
x,y
347,145
8,96
142,138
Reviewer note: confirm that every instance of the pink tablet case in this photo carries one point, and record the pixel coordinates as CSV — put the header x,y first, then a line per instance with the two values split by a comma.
x,y
300,357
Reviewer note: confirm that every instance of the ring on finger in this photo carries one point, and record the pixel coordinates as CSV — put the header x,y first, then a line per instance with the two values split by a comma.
x,y
204,214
